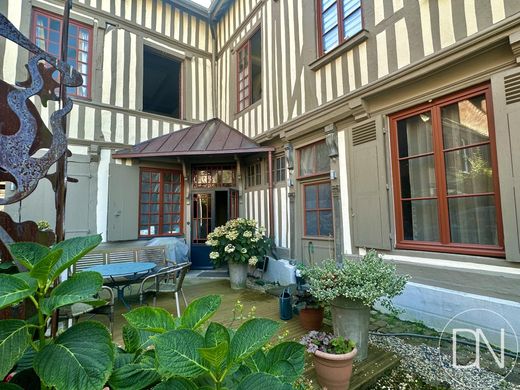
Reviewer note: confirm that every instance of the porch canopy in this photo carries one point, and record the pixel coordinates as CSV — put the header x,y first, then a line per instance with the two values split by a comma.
x,y
212,137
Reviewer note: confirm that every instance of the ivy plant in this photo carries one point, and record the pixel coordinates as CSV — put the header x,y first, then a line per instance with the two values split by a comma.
x,y
81,357
162,352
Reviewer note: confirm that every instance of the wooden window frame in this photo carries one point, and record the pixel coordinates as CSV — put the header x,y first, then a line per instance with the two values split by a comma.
x,y
40,12
445,244
318,209
315,161
247,98
208,218
219,171
161,202
254,179
341,33
280,173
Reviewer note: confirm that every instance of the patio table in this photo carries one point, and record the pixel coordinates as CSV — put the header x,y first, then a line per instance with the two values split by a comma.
x,y
126,273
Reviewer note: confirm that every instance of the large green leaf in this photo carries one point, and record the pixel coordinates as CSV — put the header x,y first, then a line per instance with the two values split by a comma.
x,y
177,384
216,356
13,290
28,253
14,340
153,319
80,358
250,337
73,250
78,288
199,311
216,334
257,362
42,268
177,353
9,386
286,361
262,381
139,375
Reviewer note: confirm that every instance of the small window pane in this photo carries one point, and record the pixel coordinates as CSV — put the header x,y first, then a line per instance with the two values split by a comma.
x,y
330,39
311,223
420,220
415,135
325,199
310,197
349,6
469,171
418,177
322,158
352,24
326,223
473,220
465,122
327,3
306,161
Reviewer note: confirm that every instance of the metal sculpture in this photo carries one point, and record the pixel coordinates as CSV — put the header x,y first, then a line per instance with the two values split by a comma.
x,y
22,132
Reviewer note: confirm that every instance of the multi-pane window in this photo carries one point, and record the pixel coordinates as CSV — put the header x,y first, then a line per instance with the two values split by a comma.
x,y
447,191
249,70
46,35
214,176
314,159
339,20
318,210
254,175
160,205
279,169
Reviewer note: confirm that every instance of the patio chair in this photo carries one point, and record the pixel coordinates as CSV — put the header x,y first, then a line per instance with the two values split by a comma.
x,y
168,280
76,310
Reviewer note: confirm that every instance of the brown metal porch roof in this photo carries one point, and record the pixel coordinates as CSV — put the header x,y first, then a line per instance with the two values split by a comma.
x,y
206,138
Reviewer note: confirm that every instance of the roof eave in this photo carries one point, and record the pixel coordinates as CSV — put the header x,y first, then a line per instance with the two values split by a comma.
x,y
262,149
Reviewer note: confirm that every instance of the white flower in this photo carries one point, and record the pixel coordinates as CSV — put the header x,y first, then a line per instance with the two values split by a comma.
x,y
229,248
243,250
247,234
254,239
214,255
253,260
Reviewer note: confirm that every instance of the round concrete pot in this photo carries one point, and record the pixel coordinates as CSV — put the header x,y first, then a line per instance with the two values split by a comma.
x,y
311,318
237,275
334,371
350,319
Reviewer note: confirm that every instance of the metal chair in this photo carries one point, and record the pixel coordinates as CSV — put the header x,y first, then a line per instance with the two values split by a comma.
x,y
167,279
74,311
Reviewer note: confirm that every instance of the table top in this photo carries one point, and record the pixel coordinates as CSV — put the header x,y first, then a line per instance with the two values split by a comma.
x,y
122,269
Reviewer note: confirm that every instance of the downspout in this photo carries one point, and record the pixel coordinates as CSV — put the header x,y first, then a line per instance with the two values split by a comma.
x,y
271,206
212,27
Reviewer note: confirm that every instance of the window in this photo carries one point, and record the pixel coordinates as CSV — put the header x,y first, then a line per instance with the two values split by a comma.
x,y
214,176
314,159
318,210
160,205
445,176
338,20
2,193
279,169
162,84
250,71
46,34
254,175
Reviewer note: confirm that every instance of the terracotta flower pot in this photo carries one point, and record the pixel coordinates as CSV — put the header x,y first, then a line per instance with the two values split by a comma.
x,y
334,371
311,318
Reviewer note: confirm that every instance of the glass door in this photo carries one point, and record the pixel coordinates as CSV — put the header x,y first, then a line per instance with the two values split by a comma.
x,y
201,225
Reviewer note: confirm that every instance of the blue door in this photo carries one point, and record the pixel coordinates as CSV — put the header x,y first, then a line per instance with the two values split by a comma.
x,y
201,225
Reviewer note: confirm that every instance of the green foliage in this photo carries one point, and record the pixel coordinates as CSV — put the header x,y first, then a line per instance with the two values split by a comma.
x,y
80,358
341,345
239,241
191,357
368,280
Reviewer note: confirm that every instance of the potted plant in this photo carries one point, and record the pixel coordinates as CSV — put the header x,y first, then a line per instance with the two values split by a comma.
x,y
352,287
310,310
240,243
333,357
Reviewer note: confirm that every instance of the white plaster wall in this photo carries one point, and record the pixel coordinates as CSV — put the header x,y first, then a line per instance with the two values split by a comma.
x,y
102,194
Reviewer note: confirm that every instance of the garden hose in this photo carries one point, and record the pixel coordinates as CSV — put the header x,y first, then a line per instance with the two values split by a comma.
x,y
448,340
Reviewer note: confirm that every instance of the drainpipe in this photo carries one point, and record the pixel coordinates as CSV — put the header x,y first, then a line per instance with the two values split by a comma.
x,y
271,210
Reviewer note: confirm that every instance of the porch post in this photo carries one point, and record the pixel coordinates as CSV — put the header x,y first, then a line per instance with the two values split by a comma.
x,y
289,157
271,207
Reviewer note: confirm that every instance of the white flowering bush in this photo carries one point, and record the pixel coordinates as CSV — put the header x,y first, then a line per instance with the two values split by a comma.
x,y
366,281
239,241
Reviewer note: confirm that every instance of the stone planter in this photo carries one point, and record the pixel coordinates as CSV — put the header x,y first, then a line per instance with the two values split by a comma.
x,y
350,319
334,371
311,318
237,275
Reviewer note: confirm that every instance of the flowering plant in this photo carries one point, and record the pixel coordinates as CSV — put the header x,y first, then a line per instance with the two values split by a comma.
x,y
367,280
327,342
239,241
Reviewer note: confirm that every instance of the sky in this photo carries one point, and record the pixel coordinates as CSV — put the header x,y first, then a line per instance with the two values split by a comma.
x,y
205,3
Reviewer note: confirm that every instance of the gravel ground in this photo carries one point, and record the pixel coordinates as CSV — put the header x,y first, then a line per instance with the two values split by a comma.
x,y
435,368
